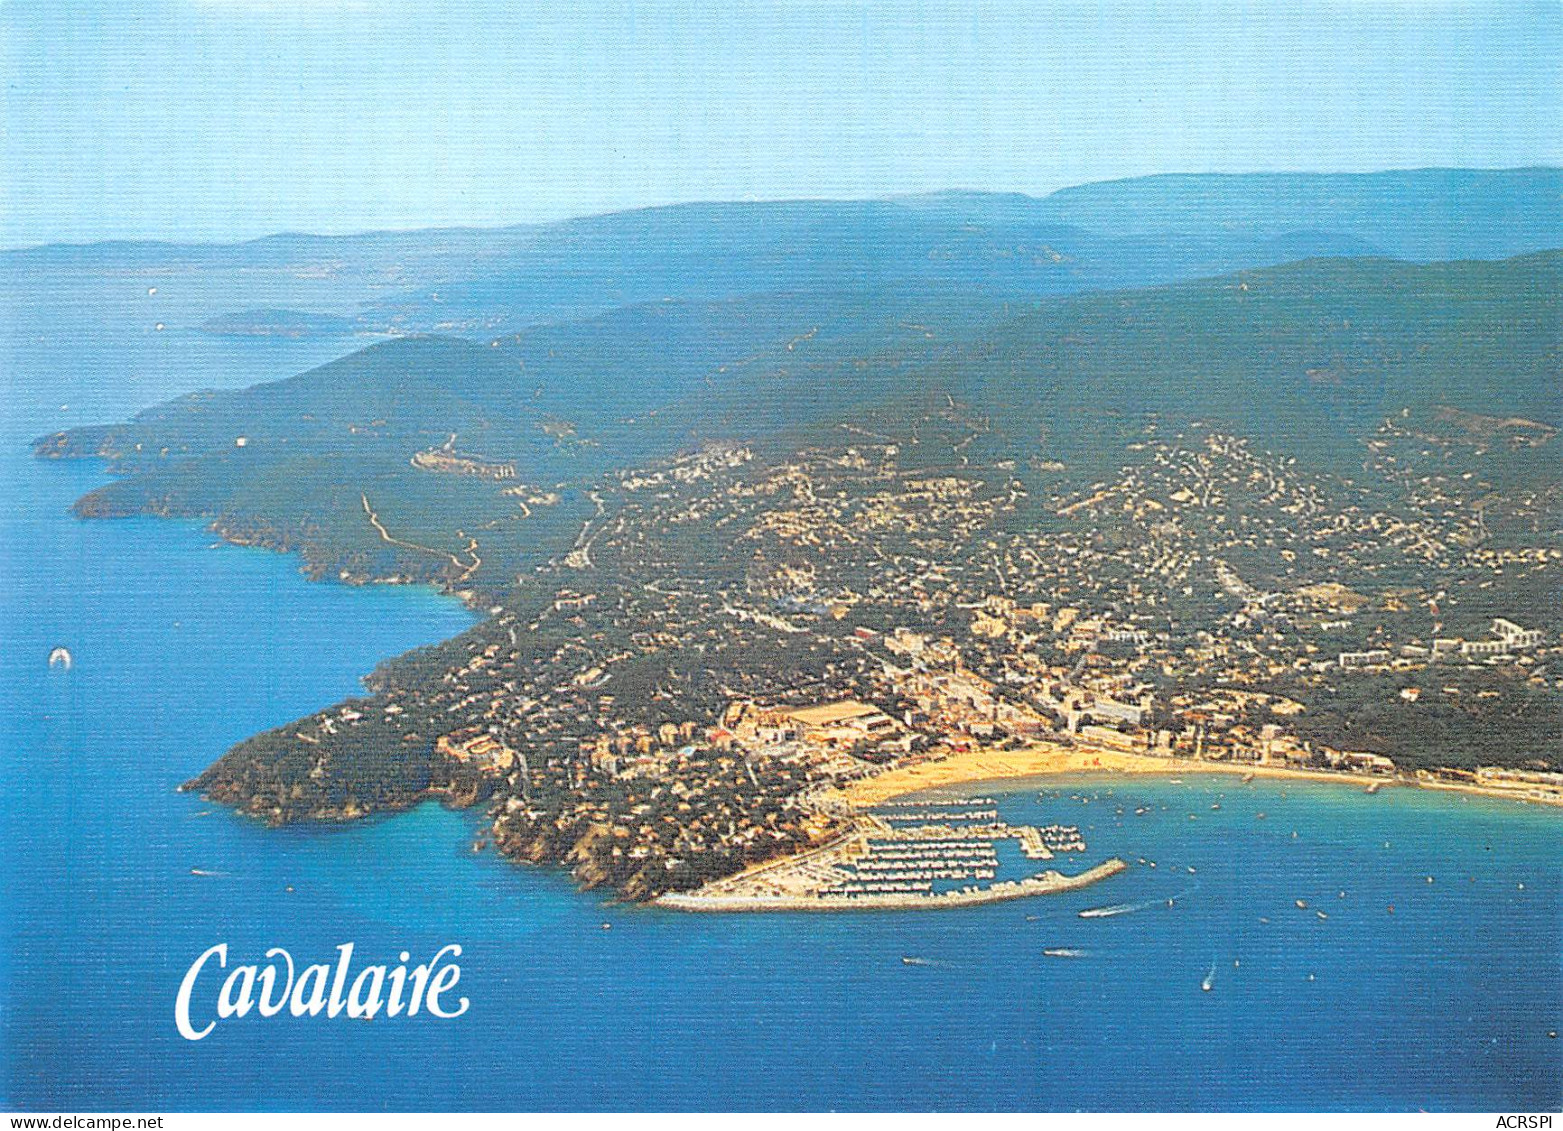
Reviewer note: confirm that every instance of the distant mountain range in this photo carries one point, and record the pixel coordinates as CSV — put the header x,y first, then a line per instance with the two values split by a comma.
x,y
1003,247
1422,214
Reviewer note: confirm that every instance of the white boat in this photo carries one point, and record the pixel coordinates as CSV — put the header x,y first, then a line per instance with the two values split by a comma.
x,y
60,658
1107,912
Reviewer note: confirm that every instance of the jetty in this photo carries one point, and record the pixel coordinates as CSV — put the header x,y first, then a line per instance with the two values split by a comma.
x,y
1043,883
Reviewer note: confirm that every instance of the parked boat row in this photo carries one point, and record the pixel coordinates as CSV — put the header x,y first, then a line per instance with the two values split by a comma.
x,y
943,815
1062,838
963,857
872,873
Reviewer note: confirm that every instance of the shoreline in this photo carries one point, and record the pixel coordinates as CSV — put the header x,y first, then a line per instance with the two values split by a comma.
x,y
1039,760
1046,759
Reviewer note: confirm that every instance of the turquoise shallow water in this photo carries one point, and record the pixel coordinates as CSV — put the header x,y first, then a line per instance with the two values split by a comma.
x,y
182,649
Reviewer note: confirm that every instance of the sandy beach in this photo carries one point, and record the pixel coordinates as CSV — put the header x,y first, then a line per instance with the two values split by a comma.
x,y
791,883
1048,758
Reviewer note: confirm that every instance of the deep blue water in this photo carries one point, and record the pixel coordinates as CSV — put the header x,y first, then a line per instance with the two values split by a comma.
x,y
181,649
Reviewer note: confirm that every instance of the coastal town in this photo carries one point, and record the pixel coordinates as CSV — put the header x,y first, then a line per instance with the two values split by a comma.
x,y
686,701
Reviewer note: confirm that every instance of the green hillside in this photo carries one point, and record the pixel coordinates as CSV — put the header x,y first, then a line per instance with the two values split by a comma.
x,y
1308,359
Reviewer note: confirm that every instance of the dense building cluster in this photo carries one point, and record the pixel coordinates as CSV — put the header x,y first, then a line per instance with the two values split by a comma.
x,y
732,634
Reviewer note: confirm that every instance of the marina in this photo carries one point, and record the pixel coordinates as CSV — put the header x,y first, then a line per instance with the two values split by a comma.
x,y
904,855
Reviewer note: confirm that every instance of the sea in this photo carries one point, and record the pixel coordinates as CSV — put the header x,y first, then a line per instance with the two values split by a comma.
x,y
1425,970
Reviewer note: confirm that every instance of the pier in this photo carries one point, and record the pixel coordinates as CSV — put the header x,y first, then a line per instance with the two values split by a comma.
x,y
1043,883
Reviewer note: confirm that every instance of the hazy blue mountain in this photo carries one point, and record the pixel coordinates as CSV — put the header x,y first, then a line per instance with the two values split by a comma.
x,y
1423,214
1118,235
1114,235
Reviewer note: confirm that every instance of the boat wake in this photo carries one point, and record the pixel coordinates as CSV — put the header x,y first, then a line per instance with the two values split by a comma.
x,y
1118,909
1131,908
1066,952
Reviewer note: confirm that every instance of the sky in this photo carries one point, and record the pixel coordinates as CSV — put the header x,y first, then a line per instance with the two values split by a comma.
x,y
229,119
